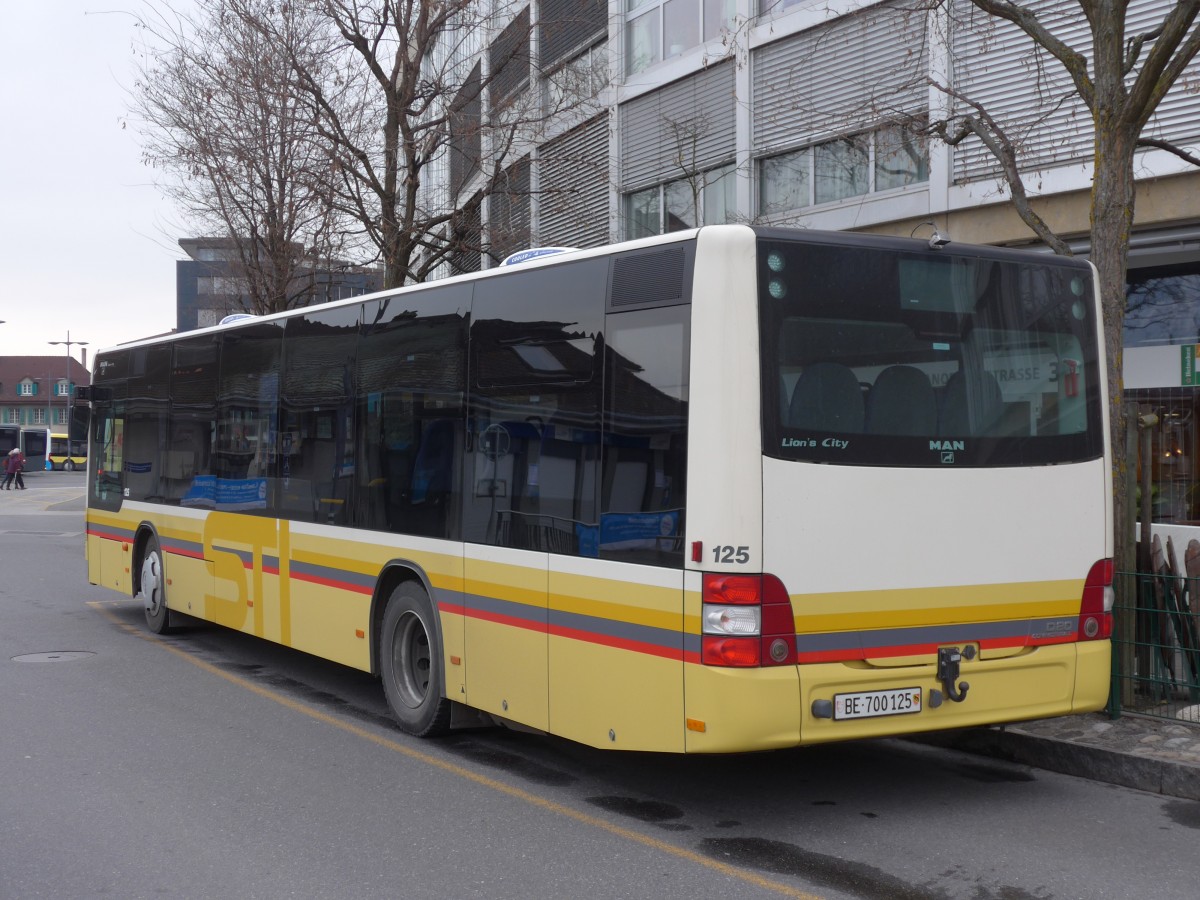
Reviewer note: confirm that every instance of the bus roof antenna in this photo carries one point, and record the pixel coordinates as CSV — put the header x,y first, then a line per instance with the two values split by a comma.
x,y
937,241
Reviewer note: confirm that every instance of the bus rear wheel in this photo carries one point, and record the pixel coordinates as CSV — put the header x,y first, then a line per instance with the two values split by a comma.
x,y
153,589
69,465
409,653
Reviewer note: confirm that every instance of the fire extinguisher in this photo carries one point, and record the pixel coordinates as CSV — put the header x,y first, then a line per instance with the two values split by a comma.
x,y
1071,378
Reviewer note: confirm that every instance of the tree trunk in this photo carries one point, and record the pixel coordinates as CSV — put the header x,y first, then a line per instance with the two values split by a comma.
x,y
1111,224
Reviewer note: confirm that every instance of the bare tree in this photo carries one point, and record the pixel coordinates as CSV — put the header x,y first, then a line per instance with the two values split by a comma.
x,y
398,89
1120,74
218,117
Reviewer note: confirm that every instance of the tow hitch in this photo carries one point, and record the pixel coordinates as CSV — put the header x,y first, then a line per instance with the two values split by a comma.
x,y
949,666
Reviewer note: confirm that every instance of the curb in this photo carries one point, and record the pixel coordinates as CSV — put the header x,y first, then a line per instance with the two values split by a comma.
x,y
1157,776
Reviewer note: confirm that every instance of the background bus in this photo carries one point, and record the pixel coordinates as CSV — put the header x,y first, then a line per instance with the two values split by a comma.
x,y
727,489
66,457
10,437
35,443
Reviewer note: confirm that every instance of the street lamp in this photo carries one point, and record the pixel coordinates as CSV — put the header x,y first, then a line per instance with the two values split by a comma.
x,y
69,463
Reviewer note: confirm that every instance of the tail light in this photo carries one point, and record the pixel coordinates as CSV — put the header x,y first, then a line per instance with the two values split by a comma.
x,y
1095,609
747,622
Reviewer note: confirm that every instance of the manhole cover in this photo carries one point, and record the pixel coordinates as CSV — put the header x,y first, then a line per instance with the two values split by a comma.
x,y
54,656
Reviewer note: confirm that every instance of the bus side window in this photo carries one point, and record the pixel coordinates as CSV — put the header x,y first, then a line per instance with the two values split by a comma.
x,y
644,457
535,411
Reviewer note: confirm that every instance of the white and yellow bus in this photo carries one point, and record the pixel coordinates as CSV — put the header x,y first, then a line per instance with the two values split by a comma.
x,y
66,456
719,490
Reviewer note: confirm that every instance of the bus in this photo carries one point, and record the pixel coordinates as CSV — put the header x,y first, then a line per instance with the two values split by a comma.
x,y
67,456
10,439
35,444
726,489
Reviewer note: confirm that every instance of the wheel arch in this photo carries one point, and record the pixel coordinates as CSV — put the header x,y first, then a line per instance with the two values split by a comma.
x,y
394,573
145,531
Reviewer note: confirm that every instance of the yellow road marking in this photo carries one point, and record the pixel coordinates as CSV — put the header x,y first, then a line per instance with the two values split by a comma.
x,y
455,769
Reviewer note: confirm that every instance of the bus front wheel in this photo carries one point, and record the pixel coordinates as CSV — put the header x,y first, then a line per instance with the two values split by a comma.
x,y
153,589
409,662
69,465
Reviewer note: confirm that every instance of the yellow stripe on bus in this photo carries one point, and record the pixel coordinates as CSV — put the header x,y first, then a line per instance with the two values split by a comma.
x,y
906,607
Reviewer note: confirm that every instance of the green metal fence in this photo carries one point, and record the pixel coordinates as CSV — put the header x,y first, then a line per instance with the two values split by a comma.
x,y
1156,638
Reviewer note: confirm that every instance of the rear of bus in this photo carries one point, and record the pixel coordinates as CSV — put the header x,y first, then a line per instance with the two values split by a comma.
x,y
921,537
67,455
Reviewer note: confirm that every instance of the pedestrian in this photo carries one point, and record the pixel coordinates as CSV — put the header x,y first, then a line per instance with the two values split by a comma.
x,y
12,469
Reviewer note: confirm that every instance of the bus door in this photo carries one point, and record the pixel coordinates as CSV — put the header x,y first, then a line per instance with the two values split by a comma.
x,y
35,444
504,576
535,379
10,438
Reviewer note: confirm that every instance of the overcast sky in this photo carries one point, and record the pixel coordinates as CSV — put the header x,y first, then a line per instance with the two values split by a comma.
x,y
87,244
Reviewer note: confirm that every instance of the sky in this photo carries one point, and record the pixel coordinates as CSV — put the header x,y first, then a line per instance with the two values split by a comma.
x,y
87,243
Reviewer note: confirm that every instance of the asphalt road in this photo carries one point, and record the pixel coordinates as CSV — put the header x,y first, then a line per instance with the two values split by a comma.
x,y
209,764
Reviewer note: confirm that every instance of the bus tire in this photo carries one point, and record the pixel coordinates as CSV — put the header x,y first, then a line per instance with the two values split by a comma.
x,y
69,465
152,587
409,653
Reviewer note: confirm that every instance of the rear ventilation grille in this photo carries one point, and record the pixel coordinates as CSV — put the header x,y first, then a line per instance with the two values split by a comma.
x,y
658,277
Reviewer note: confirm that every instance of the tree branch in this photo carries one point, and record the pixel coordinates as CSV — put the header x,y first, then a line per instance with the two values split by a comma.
x,y
988,130
1170,148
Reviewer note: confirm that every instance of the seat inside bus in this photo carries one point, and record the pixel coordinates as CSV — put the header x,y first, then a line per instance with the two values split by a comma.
x,y
901,401
970,404
827,397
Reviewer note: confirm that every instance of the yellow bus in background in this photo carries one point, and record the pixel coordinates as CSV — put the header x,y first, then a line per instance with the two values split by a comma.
x,y
66,458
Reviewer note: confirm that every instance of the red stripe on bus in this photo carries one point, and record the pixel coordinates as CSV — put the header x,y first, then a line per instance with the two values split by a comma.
x,y
177,551
501,619
593,637
856,653
108,536
329,582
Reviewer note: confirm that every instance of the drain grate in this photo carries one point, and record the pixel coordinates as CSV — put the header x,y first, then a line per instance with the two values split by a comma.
x,y
54,656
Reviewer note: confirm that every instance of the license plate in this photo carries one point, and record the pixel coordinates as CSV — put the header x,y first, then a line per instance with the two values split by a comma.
x,y
867,704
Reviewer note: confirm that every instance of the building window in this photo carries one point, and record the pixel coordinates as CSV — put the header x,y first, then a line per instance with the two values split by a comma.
x,y
882,160
221,285
776,7
508,58
27,389
581,78
1162,305
62,388
60,416
12,415
841,169
643,212
464,121
784,181
901,158
672,206
661,29
567,26
39,416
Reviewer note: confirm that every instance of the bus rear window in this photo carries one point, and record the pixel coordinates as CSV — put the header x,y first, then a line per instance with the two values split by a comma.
x,y
881,356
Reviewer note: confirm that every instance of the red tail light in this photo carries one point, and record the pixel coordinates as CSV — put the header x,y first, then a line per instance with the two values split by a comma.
x,y
747,622
1095,609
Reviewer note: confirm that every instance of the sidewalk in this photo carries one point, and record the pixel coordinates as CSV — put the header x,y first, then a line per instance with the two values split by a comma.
x,y
1150,754
44,493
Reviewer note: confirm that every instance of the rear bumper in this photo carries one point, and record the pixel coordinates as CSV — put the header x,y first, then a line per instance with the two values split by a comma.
x,y
1039,683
